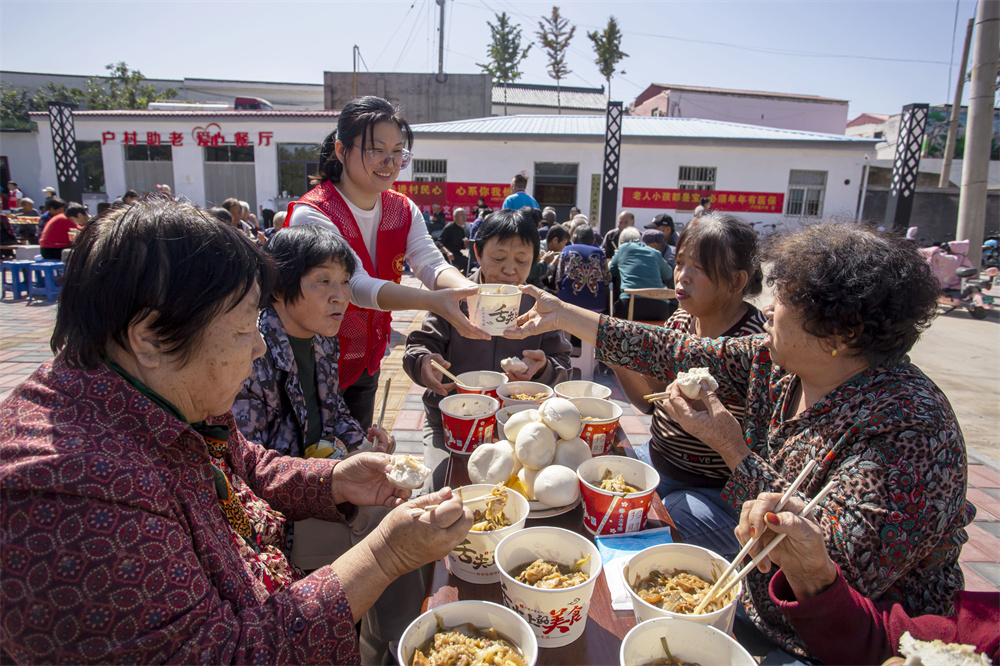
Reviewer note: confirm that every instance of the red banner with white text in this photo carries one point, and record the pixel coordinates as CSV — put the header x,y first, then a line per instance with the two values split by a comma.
x,y
453,195
736,202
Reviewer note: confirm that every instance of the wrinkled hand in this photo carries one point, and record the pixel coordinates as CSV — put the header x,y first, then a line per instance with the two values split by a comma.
x,y
715,426
361,480
801,554
447,303
536,361
431,378
541,318
384,442
550,256
402,542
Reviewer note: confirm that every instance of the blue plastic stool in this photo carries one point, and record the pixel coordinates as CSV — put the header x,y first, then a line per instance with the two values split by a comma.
x,y
20,279
43,279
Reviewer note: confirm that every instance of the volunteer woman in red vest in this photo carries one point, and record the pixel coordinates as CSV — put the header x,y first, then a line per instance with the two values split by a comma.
x,y
359,162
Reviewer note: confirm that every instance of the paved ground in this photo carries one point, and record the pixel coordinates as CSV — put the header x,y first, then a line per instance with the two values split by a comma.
x,y
960,354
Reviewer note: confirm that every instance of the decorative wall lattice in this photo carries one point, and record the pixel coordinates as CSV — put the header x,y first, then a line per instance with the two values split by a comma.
x,y
64,147
612,159
906,166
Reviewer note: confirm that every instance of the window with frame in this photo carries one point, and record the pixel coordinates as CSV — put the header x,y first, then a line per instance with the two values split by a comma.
x,y
696,178
430,170
91,166
142,153
806,190
296,161
229,153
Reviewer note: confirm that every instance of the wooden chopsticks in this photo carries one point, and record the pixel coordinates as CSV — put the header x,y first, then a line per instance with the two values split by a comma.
x,y
443,371
714,591
430,507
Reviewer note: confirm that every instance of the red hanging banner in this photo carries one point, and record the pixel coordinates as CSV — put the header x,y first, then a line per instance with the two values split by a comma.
x,y
736,202
453,195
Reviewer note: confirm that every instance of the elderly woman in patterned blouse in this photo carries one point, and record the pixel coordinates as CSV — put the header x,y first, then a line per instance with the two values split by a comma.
x,y
138,524
829,381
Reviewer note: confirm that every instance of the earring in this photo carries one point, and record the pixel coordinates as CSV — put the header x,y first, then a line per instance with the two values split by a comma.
x,y
833,353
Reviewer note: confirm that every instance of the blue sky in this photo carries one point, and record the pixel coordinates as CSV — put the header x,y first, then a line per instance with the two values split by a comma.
x,y
879,55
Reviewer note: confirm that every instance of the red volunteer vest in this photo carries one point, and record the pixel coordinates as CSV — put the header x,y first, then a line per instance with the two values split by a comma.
x,y
365,333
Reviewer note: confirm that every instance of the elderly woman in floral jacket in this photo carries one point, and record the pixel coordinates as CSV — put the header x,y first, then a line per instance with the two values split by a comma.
x,y
291,403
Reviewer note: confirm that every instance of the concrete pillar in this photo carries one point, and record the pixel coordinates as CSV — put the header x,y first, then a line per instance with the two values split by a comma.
x,y
979,128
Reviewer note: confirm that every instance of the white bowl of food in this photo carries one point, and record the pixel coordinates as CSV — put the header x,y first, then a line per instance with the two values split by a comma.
x,y
682,640
582,389
659,577
481,622
472,559
524,393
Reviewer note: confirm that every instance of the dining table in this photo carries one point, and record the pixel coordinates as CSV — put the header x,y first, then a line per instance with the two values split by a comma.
x,y
606,627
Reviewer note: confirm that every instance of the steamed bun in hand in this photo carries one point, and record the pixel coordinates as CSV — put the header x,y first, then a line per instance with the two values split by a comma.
x,y
696,382
514,364
408,473
562,416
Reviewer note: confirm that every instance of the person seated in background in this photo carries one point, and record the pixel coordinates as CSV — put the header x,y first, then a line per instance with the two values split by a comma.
x,y
665,224
121,465
7,237
543,274
291,403
639,266
718,270
222,215
278,223
26,232
53,206
838,624
436,220
704,207
506,248
548,219
582,275
55,236
126,199
626,220
27,208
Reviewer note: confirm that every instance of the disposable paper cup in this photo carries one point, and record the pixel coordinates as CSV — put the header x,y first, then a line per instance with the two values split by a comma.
x,y
599,431
463,433
505,391
669,557
505,413
582,389
605,512
558,617
480,614
486,380
495,308
472,560
689,641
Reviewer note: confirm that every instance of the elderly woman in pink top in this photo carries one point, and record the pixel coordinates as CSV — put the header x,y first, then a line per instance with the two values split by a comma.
x,y
138,524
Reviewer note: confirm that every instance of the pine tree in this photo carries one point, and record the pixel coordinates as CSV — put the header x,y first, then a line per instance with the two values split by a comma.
x,y
607,46
555,38
505,53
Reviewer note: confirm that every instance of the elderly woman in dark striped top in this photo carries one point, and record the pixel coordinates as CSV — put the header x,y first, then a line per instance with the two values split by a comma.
x,y
830,382
717,267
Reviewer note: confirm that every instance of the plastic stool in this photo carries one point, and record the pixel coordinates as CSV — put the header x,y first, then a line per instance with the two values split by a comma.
x,y
43,279
20,279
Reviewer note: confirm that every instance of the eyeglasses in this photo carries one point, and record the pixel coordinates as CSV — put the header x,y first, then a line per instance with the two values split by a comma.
x,y
379,158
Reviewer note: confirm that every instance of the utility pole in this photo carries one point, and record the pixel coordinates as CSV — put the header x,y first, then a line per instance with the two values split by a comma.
x,y
979,129
956,109
358,51
441,40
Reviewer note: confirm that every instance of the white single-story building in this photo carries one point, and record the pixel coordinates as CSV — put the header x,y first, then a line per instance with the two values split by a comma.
x,y
767,175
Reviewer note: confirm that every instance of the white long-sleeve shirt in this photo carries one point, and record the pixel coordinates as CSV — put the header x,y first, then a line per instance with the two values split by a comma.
x,y
421,253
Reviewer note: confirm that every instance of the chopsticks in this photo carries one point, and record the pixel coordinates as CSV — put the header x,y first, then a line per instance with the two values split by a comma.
x,y
714,591
430,507
385,399
769,547
443,371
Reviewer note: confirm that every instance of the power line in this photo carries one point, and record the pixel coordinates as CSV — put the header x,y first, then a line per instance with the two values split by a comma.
x,y
951,63
403,20
407,43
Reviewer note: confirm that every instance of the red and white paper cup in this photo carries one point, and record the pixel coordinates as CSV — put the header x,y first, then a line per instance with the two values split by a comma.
x,y
468,420
600,420
487,382
607,512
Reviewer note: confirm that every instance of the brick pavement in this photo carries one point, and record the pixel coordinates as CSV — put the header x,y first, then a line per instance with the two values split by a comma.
x,y
24,338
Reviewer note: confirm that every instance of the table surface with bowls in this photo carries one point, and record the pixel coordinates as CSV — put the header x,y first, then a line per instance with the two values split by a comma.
x,y
606,627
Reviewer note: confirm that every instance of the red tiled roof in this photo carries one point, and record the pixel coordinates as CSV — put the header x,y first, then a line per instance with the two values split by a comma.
x,y
868,119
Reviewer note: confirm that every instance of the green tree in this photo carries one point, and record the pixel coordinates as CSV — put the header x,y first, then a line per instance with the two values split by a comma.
x,y
14,106
608,47
505,53
555,37
123,89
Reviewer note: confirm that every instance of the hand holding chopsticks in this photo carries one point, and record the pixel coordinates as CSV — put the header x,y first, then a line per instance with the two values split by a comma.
x,y
430,507
440,368
723,585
